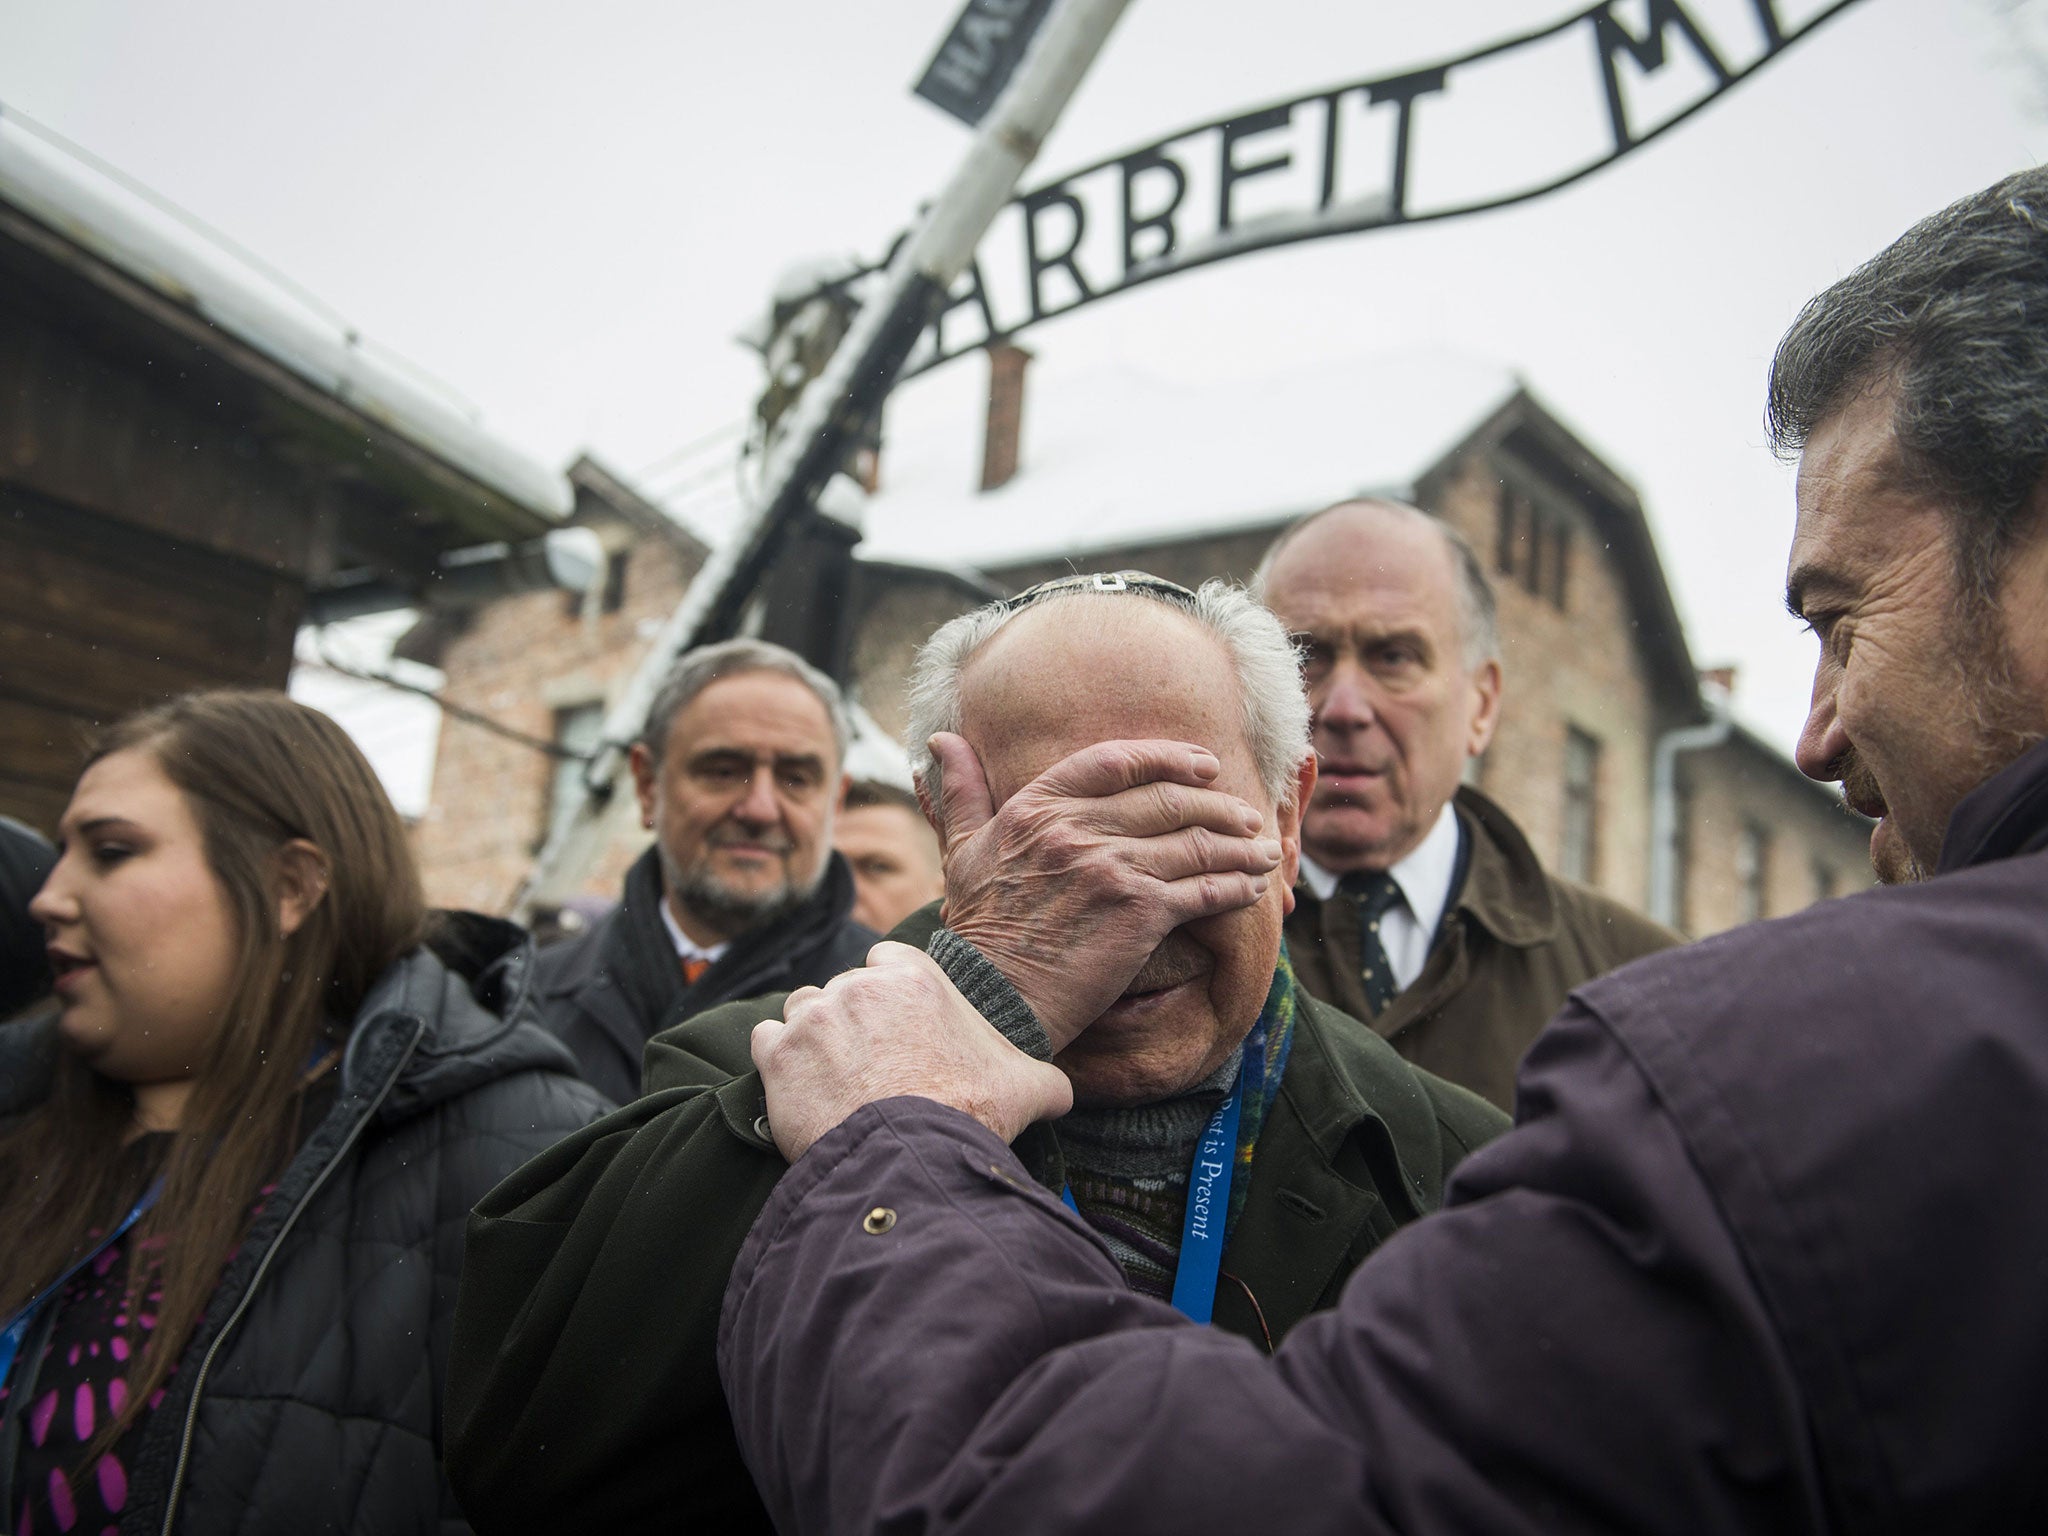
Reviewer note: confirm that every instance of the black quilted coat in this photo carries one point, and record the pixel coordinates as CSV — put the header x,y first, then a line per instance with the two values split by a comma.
x,y
309,1399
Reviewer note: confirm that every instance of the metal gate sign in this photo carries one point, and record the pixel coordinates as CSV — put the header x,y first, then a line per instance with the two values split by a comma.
x,y
1500,125
979,55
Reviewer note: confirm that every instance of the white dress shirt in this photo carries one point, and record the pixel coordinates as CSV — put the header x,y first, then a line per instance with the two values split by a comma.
x,y
1408,928
686,947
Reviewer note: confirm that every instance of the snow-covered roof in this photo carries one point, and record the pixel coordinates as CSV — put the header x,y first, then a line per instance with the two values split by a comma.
x,y
1119,454
123,225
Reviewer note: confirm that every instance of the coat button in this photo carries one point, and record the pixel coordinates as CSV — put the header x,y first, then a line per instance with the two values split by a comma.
x,y
878,1221
761,1128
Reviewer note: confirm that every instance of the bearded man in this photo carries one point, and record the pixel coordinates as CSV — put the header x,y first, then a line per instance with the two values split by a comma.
x,y
1116,768
738,771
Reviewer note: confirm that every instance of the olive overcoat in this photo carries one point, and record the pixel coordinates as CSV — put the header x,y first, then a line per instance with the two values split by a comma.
x,y
1512,946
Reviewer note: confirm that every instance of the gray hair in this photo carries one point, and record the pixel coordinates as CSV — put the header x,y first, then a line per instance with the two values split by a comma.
x,y
1955,314
697,670
1268,669
1478,607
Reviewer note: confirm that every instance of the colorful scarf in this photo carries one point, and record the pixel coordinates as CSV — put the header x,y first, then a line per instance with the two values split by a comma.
x,y
1264,1061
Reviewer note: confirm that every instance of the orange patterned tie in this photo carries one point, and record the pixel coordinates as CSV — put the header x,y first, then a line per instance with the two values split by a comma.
x,y
693,970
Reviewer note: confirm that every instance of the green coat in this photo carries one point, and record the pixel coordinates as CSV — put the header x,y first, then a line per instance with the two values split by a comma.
x,y
1511,948
583,1391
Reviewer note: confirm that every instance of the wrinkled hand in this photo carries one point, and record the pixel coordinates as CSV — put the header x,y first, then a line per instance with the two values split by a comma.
x,y
896,1027
1075,881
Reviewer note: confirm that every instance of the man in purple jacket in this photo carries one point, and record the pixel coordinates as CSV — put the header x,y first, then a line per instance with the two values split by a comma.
x,y
1768,1247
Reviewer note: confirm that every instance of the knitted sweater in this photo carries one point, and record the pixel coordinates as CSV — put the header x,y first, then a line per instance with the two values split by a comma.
x,y
1128,1165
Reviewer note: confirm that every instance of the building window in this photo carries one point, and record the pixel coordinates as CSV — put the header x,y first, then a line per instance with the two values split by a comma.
x,y
1825,881
1581,804
1511,532
614,595
577,729
1532,546
1752,869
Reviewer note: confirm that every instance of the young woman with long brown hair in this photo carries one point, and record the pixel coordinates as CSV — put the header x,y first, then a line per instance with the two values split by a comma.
x,y
234,1170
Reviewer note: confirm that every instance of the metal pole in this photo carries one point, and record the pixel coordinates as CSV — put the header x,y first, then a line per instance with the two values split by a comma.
x,y
1664,828
839,403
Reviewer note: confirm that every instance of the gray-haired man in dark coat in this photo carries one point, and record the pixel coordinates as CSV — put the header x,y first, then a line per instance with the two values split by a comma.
x,y
1765,1251
739,772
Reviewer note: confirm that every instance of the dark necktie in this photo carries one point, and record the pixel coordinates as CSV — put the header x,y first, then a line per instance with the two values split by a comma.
x,y
1376,893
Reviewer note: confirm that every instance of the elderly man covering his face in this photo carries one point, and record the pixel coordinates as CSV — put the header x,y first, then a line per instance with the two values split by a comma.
x,y
1115,767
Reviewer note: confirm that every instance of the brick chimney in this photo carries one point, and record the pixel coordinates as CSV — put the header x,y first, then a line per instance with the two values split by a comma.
x,y
999,445
864,465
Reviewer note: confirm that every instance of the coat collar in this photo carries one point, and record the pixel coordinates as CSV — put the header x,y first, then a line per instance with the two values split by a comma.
x,y
1346,1078
1506,890
631,947
1347,1107
633,950
2005,815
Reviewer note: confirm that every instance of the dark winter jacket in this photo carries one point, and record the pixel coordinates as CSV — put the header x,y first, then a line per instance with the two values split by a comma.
x,y
308,1400
1764,1253
606,993
582,1391
1512,945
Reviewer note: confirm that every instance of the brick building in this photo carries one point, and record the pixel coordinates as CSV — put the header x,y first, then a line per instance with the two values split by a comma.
x,y
1192,481
541,664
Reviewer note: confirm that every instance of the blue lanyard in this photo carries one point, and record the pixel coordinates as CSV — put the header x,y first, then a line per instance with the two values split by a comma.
x,y
1208,1213
18,1325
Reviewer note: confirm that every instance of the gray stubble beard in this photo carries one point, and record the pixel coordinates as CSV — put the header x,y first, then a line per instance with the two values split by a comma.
x,y
731,912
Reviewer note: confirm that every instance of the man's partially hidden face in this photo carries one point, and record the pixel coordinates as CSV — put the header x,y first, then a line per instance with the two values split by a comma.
x,y
741,802
1371,591
1066,674
1920,693
894,856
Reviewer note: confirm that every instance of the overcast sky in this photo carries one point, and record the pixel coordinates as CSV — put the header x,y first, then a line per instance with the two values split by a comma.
x,y
566,212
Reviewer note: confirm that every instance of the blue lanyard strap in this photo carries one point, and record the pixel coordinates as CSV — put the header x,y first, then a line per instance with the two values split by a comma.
x,y
1205,1225
1208,1215
18,1325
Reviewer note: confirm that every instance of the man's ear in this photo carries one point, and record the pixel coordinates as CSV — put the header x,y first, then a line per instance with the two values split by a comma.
x,y
1289,818
302,880
646,779
1486,689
